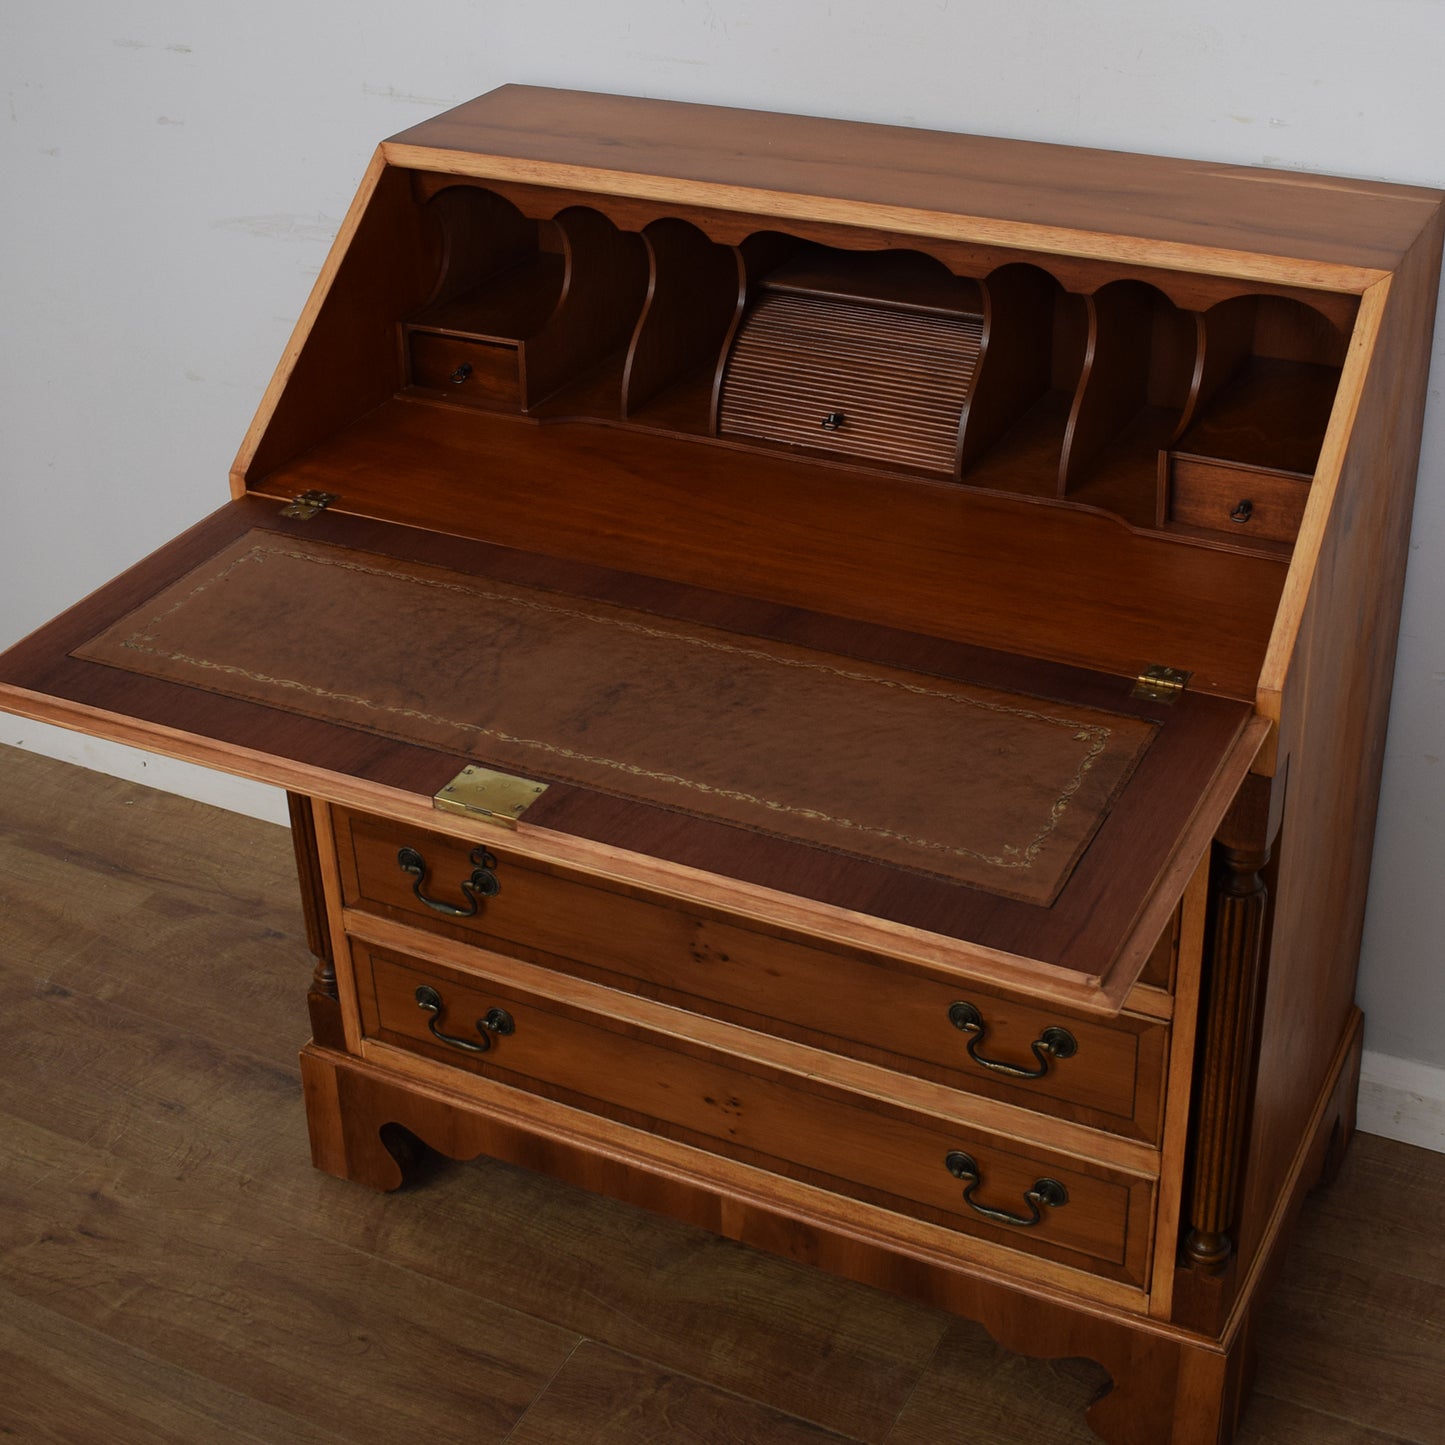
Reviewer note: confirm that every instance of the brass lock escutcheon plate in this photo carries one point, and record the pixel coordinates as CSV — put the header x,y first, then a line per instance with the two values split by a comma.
x,y
499,798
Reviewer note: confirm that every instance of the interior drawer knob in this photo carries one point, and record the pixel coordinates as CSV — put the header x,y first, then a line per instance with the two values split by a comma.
x,y
1053,1043
461,373
1046,1193
1243,511
497,1023
482,884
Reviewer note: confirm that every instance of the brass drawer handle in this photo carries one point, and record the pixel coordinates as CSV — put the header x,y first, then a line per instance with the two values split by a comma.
x,y
482,884
1048,1193
1053,1043
497,1023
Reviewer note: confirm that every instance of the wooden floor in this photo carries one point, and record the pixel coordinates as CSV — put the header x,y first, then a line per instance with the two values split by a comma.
x,y
173,1270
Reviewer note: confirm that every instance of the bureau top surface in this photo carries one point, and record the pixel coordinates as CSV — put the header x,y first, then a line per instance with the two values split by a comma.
x,y
719,156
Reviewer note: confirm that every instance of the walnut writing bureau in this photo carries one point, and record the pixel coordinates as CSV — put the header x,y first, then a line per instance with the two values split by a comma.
x,y
832,682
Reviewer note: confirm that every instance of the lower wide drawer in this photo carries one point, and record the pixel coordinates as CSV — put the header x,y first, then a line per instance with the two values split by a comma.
x,y
1044,1202
1106,1074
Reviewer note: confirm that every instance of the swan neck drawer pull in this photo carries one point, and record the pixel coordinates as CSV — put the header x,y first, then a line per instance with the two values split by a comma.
x,y
1046,1193
1053,1043
497,1023
482,884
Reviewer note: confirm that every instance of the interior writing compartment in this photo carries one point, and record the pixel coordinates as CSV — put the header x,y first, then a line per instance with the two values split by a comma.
x,y
573,374
1188,405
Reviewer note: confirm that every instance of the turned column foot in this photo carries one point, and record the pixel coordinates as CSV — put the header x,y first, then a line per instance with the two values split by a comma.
x,y
323,1001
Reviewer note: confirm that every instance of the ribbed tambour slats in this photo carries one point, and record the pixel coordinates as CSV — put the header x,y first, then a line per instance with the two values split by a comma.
x,y
899,378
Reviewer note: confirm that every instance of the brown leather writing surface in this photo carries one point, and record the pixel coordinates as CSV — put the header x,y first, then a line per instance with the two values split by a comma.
x,y
973,784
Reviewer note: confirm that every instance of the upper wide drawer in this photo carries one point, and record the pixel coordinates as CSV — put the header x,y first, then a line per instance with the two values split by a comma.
x,y
1105,1074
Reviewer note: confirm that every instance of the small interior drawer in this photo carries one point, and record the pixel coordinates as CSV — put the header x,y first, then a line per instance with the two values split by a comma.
x,y
1249,503
478,373
1089,1215
1104,1073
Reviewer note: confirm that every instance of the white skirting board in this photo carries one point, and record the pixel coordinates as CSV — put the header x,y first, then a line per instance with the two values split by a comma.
x,y
1402,1100
1399,1099
221,790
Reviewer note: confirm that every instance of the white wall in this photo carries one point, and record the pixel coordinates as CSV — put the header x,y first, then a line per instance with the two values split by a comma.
x,y
172,174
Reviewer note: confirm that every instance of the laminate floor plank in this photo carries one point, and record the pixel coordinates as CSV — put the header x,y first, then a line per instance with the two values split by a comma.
x,y
66,1384
141,899
1384,1206
94,822
1269,1421
605,1397
976,1391
201,1280
145,1090
1388,1326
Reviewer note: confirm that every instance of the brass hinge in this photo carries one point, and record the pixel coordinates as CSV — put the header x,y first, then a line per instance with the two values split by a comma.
x,y
308,504
480,793
1161,684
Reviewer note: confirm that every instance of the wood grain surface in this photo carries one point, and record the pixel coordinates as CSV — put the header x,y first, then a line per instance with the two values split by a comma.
x,y
1335,700
1340,229
171,1268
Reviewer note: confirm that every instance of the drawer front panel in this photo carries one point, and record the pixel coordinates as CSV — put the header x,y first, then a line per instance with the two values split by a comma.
x,y
1244,502
784,1122
479,373
1110,1075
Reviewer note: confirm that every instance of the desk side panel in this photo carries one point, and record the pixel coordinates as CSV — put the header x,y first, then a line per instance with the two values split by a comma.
x,y
1335,705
